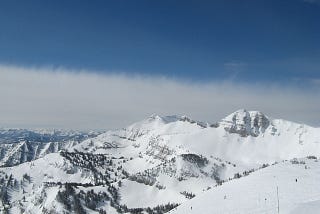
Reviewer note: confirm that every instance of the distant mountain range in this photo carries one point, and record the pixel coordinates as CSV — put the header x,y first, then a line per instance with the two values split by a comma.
x,y
162,164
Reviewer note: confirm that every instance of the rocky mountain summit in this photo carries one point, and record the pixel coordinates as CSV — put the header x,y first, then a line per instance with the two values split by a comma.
x,y
246,123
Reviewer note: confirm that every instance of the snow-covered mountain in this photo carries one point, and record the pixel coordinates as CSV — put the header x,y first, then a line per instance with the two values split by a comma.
x,y
21,145
151,166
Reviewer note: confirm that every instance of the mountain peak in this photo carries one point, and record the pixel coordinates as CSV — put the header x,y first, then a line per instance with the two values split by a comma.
x,y
154,117
246,123
165,119
156,120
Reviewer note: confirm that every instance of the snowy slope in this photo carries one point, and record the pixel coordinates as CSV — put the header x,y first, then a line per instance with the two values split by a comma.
x,y
298,192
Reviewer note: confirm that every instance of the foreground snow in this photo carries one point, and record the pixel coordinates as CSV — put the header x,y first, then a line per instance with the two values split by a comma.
x,y
298,191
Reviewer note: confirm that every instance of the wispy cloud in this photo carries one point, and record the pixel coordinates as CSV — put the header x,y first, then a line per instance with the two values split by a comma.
x,y
234,68
82,100
312,1
315,81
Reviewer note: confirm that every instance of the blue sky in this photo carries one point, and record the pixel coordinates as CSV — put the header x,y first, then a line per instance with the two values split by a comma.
x,y
250,41
106,64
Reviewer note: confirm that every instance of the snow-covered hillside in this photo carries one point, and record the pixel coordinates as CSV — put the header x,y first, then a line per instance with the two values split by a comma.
x,y
298,187
151,166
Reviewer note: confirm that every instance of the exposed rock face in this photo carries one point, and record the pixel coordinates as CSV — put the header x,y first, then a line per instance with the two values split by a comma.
x,y
17,153
246,123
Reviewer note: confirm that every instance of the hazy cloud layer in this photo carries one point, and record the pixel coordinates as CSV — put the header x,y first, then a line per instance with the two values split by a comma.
x,y
58,98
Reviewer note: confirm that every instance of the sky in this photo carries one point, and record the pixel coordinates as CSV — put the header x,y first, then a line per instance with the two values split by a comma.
x,y
104,64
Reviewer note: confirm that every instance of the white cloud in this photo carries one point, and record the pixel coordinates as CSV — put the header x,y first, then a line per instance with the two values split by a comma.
x,y
82,100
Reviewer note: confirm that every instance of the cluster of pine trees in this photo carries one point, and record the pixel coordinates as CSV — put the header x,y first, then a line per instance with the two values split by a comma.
x,y
188,195
75,202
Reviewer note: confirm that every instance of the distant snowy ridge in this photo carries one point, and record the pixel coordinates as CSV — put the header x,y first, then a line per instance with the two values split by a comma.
x,y
22,145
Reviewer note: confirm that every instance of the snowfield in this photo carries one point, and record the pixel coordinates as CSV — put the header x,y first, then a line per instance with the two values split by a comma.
x,y
162,164
298,192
